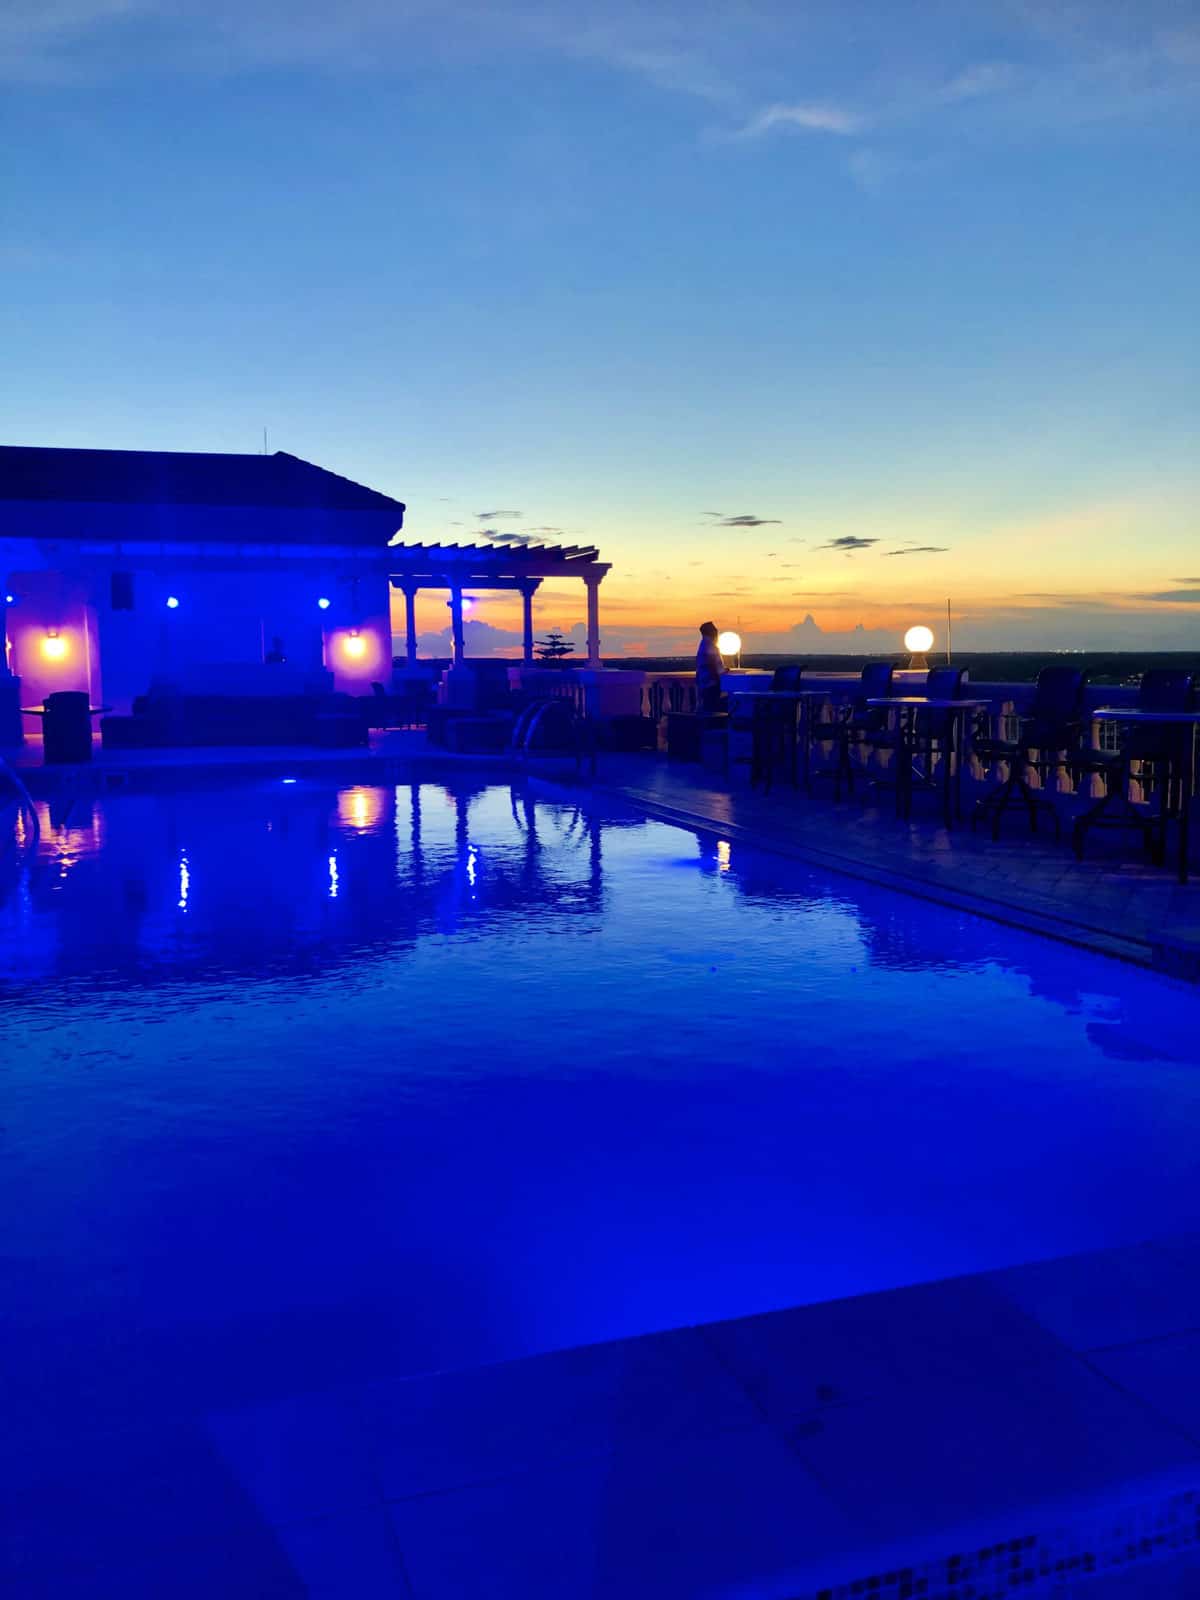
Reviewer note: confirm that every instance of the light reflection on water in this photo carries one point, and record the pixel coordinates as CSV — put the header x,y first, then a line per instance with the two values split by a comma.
x,y
455,1074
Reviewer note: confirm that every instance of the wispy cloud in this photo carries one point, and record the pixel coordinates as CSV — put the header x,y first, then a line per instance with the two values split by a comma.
x,y
1191,596
805,118
984,78
490,516
744,520
498,537
848,542
919,550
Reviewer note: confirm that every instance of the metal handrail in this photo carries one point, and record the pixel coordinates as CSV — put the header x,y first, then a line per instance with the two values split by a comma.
x,y
24,799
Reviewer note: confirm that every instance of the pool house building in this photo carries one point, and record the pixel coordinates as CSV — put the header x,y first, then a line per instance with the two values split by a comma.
x,y
131,572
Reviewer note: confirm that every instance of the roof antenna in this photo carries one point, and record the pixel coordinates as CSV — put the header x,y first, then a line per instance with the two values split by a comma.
x,y
949,633
264,441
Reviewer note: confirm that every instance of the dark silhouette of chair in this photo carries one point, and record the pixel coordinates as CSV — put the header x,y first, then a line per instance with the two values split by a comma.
x,y
921,735
855,723
1054,724
775,727
788,676
1161,752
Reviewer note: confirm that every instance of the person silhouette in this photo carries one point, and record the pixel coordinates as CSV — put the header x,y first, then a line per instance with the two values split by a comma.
x,y
708,670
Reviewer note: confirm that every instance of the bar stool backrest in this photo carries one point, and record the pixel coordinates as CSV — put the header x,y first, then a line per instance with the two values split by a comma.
x,y
1163,689
943,683
1056,716
874,682
946,683
788,676
1166,689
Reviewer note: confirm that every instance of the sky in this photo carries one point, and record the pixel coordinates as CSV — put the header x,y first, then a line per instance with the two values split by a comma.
x,y
813,317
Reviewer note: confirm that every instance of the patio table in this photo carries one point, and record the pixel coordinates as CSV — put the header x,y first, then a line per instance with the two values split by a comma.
x,y
907,705
800,701
1181,771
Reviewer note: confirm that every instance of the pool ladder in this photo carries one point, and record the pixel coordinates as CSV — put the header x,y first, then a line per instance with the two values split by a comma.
x,y
10,780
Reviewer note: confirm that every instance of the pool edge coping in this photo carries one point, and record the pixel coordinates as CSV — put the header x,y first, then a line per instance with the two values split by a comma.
x,y
1028,919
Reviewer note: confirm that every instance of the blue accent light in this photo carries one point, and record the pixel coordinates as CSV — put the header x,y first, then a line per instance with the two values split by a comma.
x,y
172,603
323,603
287,780
10,599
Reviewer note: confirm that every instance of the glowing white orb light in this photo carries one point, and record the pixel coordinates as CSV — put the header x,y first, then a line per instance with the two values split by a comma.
x,y
918,640
172,603
323,603
729,644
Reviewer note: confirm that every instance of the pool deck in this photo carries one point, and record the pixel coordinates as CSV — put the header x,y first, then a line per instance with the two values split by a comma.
x,y
1032,1430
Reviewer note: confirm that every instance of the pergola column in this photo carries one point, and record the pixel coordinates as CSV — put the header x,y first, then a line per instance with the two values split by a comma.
x,y
410,623
456,623
527,593
592,580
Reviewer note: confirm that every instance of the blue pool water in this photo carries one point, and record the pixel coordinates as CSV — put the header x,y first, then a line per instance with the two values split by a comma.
x,y
302,1083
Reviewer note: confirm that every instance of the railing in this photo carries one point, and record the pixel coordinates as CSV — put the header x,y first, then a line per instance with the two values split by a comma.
x,y
1007,704
668,692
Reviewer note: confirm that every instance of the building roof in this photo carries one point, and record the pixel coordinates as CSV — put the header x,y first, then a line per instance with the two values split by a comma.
x,y
181,478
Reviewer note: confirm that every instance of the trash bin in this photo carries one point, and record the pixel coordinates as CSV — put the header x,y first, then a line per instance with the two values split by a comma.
x,y
11,732
67,728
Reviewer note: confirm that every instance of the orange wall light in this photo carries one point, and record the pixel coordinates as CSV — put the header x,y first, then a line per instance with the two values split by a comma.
x,y
54,646
354,644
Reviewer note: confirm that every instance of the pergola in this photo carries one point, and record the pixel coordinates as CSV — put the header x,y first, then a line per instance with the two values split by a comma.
x,y
521,567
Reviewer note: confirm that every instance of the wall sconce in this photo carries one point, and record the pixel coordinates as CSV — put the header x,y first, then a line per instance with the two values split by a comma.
x,y
54,646
323,603
172,603
354,644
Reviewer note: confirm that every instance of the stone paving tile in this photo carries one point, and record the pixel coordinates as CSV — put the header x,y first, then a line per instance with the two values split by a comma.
x,y
1177,1579
736,1514
1165,1373
852,1349
352,1554
1106,1297
937,1463
140,1515
448,1431
304,1456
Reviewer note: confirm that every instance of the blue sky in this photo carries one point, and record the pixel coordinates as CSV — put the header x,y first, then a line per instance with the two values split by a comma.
x,y
920,278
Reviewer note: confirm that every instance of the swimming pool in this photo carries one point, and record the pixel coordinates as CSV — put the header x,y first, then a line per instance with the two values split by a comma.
x,y
302,1082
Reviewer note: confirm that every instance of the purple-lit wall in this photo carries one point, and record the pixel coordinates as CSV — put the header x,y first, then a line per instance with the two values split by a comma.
x,y
243,576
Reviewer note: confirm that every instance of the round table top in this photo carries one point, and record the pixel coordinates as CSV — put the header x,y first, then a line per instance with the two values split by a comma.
x,y
789,694
1132,714
934,703
43,711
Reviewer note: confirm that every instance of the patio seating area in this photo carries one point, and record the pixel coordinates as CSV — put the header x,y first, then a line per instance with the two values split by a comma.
x,y
980,750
